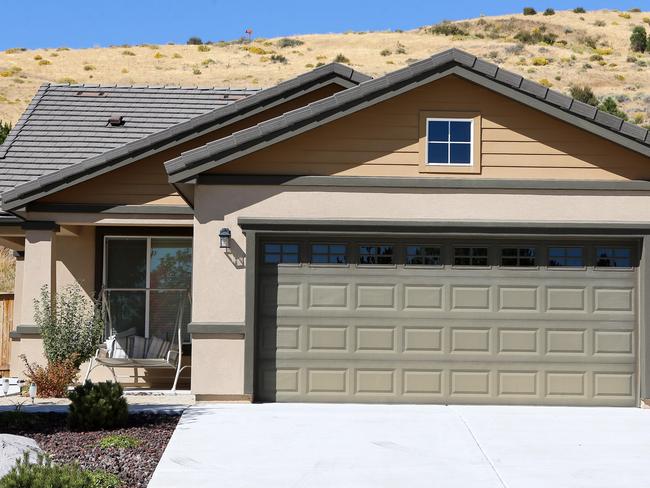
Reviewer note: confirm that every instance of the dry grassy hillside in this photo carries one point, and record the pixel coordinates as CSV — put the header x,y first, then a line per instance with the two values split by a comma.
x,y
590,48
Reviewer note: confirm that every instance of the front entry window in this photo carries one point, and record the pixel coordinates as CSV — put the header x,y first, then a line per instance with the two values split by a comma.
x,y
144,278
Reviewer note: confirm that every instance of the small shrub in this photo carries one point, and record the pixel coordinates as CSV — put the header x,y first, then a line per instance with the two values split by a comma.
x,y
447,28
646,20
638,39
208,62
340,58
43,473
52,380
289,42
549,11
128,52
604,51
539,61
386,52
530,11
196,71
38,57
625,15
279,58
587,66
545,82
536,36
579,10
62,48
194,41
67,80
319,64
97,406
584,94
595,57
638,119
400,48
10,72
257,50
159,55
176,56
5,128
89,67
609,105
71,326
309,65
588,41
118,441
203,48
619,77
124,71
13,50
631,59
600,23
635,10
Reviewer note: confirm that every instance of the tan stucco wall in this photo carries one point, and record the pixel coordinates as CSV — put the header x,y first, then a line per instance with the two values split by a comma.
x,y
217,364
75,259
38,270
219,278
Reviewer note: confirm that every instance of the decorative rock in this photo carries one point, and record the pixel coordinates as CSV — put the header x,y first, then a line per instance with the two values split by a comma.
x,y
12,448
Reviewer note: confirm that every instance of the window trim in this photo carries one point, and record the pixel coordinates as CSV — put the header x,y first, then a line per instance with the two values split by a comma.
x,y
147,290
487,264
299,254
393,255
536,266
584,257
427,266
475,154
448,142
346,255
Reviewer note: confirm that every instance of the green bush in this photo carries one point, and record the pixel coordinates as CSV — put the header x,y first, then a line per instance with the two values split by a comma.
x,y
5,128
279,58
584,94
341,59
288,42
549,11
609,105
536,36
44,474
579,10
195,41
72,326
97,406
119,441
638,40
530,11
446,28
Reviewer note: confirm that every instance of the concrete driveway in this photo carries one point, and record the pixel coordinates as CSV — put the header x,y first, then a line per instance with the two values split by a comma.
x,y
406,446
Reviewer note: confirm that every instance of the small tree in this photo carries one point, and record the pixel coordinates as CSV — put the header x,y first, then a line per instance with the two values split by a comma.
x,y
195,41
609,105
530,11
5,128
549,11
638,39
71,325
584,94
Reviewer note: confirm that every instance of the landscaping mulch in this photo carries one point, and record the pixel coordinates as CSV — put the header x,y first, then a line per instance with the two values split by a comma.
x,y
134,466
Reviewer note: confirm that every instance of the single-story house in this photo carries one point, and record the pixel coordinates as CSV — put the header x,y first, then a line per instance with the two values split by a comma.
x,y
447,233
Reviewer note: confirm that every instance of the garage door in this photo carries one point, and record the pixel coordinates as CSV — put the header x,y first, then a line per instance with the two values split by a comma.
x,y
447,321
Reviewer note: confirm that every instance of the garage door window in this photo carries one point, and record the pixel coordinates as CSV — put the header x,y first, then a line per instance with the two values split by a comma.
x,y
423,255
281,253
328,253
470,256
567,257
518,257
381,254
613,257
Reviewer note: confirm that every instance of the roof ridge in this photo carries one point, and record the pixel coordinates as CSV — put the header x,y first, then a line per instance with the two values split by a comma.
x,y
138,86
11,137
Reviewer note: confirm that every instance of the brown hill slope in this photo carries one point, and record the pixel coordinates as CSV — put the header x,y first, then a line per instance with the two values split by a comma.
x,y
590,48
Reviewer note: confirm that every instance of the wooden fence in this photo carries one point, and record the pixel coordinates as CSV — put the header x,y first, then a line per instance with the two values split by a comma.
x,y
6,326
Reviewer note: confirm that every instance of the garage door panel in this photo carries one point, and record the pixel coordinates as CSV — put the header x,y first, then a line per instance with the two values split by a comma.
x,y
446,335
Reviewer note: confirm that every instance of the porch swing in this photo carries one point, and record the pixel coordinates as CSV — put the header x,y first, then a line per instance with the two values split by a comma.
x,y
126,349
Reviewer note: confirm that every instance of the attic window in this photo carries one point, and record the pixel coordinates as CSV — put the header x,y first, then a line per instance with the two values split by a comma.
x,y
116,120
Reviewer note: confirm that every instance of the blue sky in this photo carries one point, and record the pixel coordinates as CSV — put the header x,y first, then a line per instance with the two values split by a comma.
x,y
84,23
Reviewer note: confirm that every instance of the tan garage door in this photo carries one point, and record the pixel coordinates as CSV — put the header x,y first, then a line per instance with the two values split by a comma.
x,y
453,321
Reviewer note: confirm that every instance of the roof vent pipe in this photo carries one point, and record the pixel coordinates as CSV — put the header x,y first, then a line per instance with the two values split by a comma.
x,y
116,120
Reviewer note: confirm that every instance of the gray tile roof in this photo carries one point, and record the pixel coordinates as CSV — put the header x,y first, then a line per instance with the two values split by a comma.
x,y
128,151
67,124
452,61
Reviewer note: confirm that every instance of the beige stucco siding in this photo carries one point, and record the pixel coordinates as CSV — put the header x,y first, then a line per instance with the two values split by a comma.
x,y
383,140
219,277
145,182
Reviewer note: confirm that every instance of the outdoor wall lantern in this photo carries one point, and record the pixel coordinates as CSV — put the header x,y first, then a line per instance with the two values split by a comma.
x,y
224,238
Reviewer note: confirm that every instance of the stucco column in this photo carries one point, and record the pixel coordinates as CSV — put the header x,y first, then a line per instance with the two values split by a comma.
x,y
39,268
